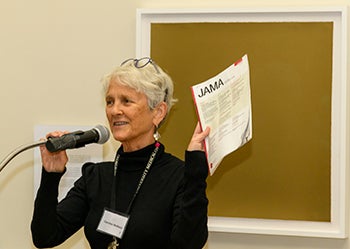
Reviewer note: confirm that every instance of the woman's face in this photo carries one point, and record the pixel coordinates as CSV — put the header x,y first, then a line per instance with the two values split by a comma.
x,y
131,120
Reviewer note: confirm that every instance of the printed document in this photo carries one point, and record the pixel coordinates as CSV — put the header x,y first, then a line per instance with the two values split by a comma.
x,y
224,104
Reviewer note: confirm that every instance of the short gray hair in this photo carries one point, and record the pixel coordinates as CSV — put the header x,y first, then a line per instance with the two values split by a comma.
x,y
149,79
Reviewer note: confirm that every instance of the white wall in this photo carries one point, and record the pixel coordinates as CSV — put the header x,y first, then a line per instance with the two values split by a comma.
x,y
52,56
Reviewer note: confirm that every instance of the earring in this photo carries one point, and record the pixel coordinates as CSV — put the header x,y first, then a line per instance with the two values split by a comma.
x,y
156,134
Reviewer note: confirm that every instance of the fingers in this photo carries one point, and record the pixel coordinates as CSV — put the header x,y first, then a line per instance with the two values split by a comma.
x,y
56,134
206,132
198,128
201,134
56,161
197,140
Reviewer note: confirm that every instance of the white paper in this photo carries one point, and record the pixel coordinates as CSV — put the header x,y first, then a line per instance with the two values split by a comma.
x,y
77,157
113,223
224,104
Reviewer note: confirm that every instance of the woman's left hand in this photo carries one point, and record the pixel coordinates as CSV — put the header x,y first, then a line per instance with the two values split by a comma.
x,y
197,140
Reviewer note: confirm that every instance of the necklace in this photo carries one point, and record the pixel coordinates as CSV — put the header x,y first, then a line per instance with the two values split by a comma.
x,y
114,244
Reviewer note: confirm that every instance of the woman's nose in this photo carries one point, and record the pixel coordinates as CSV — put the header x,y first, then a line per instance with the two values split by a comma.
x,y
116,109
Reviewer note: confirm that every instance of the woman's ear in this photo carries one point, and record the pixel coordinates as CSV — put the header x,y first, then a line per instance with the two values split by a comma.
x,y
159,113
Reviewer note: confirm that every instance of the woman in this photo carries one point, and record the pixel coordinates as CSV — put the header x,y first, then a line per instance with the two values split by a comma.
x,y
146,198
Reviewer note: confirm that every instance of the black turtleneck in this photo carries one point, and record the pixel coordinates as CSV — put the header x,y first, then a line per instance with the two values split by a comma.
x,y
170,210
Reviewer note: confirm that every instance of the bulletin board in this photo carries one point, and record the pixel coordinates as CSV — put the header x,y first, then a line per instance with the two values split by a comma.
x,y
284,174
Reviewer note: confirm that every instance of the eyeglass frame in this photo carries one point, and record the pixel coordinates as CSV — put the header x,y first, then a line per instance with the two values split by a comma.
x,y
137,61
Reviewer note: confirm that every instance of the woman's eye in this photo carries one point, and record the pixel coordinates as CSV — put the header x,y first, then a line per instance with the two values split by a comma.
x,y
109,102
126,101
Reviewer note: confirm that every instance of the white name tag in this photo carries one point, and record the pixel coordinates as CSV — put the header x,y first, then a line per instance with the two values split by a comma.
x,y
113,223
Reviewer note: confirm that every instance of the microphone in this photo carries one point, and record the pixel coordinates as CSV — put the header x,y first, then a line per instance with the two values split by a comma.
x,y
99,134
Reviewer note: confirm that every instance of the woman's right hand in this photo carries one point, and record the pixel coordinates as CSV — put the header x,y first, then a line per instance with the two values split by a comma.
x,y
53,161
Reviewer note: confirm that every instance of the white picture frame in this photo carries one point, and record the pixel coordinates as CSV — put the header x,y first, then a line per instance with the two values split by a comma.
x,y
337,227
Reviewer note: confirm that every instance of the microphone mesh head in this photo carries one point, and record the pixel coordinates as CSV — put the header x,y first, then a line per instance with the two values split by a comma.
x,y
103,133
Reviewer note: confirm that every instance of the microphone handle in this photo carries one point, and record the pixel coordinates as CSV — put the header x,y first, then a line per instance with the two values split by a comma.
x,y
18,150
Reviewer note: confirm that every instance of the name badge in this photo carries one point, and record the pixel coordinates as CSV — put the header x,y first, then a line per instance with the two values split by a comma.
x,y
113,223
